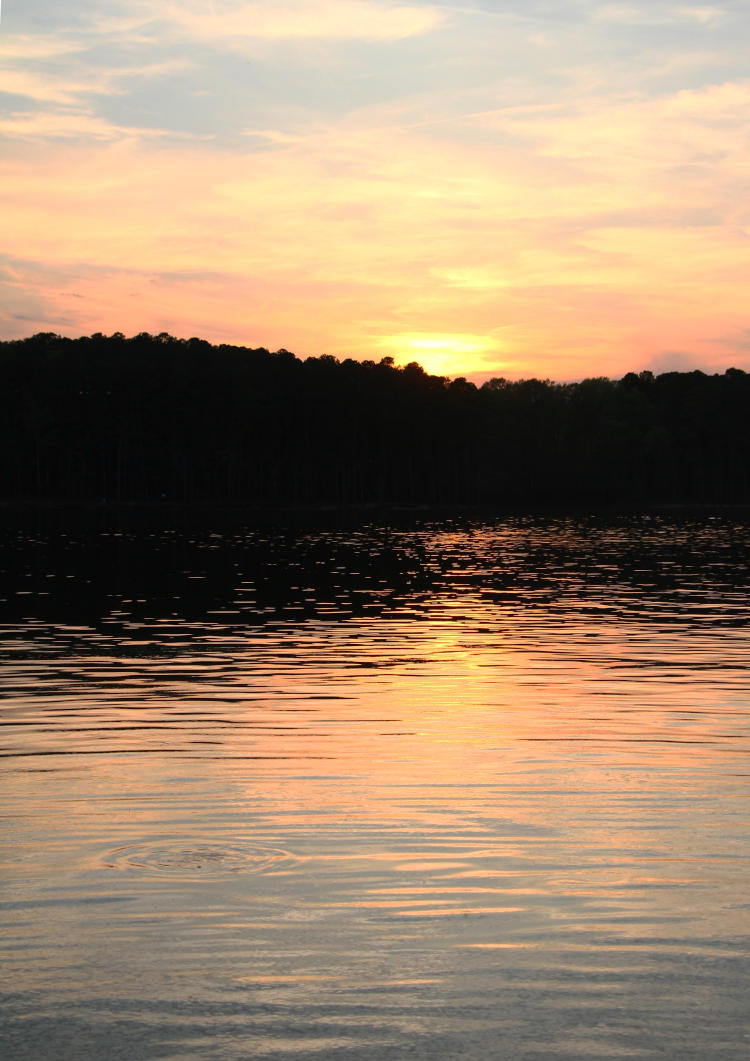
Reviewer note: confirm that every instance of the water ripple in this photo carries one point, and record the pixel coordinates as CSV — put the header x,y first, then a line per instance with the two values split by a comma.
x,y
168,860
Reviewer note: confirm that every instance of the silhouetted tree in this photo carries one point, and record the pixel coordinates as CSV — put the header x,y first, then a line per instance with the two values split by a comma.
x,y
155,418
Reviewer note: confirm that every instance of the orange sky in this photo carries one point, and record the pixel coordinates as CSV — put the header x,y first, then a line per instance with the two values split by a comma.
x,y
489,189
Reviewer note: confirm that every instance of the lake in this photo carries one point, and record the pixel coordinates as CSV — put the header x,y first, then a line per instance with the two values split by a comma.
x,y
433,789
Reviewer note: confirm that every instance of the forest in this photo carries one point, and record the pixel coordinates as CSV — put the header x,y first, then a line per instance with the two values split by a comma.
x,y
158,420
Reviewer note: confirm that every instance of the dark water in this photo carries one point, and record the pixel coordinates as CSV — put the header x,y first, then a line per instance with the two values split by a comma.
x,y
454,790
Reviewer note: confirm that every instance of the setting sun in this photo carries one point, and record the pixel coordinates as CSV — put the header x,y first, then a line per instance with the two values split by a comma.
x,y
489,192
440,354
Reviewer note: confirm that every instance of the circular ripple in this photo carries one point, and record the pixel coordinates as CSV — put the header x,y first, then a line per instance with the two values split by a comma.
x,y
172,859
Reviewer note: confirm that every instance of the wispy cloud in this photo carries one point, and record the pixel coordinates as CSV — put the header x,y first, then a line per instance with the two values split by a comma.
x,y
359,176
15,46
657,14
738,341
332,19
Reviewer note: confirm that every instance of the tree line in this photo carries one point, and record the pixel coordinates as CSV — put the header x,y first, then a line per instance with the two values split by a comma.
x,y
155,419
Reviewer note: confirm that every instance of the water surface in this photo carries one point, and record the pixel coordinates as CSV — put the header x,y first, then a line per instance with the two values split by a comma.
x,y
452,790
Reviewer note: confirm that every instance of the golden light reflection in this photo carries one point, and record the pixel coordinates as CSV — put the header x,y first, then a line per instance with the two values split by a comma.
x,y
469,776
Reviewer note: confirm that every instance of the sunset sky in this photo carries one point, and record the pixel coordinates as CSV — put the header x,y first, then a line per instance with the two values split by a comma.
x,y
554,188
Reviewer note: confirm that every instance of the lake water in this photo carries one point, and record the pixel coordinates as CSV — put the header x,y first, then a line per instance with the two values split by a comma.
x,y
446,790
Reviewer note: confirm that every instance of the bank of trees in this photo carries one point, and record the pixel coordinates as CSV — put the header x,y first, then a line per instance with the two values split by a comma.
x,y
158,419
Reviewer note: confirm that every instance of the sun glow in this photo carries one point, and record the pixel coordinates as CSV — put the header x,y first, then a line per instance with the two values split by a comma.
x,y
439,354
329,193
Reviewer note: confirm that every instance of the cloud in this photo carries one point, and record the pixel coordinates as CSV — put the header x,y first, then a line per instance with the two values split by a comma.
x,y
739,341
364,236
73,126
271,136
27,48
472,278
351,181
673,361
331,19
57,88
45,88
655,15
635,153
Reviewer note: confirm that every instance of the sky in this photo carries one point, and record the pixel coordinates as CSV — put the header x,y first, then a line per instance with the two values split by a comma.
x,y
517,188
